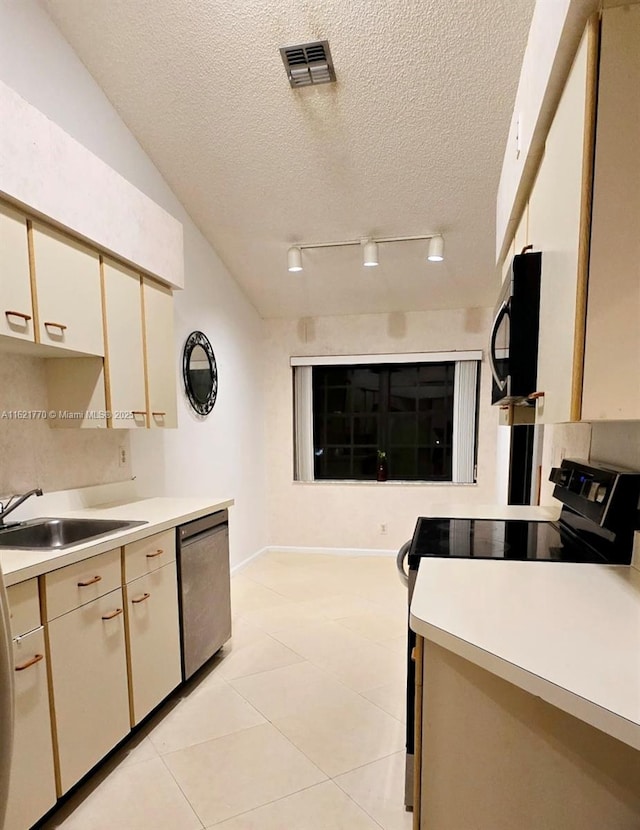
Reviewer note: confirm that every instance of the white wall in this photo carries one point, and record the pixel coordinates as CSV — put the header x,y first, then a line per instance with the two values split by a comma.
x,y
349,515
224,454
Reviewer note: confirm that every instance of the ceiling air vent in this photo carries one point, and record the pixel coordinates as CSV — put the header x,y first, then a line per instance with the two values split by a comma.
x,y
308,64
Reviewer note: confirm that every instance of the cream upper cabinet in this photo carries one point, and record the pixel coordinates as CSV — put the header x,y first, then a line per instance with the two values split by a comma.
x,y
32,789
558,216
16,311
612,350
67,279
160,354
124,349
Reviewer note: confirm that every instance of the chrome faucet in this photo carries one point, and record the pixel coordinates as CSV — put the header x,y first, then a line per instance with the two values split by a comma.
x,y
11,504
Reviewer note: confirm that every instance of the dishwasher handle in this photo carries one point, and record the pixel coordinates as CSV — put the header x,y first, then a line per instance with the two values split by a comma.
x,y
203,526
400,560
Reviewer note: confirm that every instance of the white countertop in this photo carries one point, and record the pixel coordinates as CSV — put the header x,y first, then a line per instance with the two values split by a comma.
x,y
158,513
568,633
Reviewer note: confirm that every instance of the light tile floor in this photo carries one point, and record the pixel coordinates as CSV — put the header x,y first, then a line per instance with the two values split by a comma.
x,y
298,723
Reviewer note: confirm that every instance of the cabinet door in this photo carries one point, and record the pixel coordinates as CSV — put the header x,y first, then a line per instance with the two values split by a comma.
x,y
67,277
32,788
612,350
89,685
160,354
124,358
16,312
153,639
558,210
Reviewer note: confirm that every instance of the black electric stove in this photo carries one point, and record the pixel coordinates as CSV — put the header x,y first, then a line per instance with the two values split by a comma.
x,y
600,513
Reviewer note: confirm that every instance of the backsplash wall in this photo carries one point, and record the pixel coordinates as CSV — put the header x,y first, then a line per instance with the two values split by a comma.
x,y
32,454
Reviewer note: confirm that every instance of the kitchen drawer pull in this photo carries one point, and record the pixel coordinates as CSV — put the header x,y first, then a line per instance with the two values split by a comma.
x,y
91,581
35,659
144,597
139,412
21,314
158,414
51,324
112,614
159,552
535,395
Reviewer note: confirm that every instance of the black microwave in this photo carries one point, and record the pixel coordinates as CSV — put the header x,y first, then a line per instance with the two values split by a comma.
x,y
513,346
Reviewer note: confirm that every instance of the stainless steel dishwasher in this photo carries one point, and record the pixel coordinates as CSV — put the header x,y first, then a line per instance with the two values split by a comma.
x,y
204,589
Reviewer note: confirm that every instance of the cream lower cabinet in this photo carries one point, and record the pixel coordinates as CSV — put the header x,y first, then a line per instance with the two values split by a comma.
x,y
153,639
160,350
32,788
89,684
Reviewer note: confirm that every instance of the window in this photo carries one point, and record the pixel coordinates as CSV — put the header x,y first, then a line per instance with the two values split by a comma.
x,y
421,413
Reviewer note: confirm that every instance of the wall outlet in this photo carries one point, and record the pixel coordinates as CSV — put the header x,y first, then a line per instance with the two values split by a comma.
x,y
122,456
383,529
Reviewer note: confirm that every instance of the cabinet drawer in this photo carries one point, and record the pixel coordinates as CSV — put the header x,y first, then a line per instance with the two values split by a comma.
x,y
24,606
149,554
32,789
75,585
154,639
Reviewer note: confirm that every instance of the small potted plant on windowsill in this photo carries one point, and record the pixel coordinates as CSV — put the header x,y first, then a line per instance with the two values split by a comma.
x,y
382,467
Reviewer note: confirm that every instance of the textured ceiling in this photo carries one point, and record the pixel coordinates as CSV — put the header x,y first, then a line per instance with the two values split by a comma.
x,y
409,141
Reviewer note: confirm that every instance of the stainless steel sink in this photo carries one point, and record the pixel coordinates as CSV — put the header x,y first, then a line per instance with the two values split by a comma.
x,y
54,534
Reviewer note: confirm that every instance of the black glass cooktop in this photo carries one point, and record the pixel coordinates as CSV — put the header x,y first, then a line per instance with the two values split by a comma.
x,y
497,539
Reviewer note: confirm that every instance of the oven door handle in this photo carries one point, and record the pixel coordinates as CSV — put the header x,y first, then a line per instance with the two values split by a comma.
x,y
504,308
400,558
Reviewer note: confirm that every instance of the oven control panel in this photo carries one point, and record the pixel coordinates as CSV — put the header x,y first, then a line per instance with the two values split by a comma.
x,y
603,495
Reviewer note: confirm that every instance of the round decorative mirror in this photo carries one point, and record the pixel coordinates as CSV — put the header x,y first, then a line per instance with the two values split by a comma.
x,y
200,372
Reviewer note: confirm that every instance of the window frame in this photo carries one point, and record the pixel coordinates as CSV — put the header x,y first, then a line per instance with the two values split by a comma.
x,y
465,403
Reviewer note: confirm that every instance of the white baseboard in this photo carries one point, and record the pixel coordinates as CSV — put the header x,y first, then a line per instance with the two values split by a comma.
x,y
333,551
303,551
241,565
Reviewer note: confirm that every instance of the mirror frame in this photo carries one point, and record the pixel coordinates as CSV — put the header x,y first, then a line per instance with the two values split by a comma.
x,y
197,338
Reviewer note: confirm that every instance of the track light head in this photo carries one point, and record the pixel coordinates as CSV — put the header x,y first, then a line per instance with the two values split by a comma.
x,y
294,259
436,249
369,253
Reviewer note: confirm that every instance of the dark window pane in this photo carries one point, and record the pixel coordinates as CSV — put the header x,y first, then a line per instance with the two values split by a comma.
x,y
337,462
365,431
402,463
404,410
402,429
338,429
364,463
337,400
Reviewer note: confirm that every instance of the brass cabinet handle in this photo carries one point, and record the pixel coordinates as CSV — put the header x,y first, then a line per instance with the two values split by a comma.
x,y
53,325
159,552
158,414
113,614
138,411
535,395
91,581
35,659
144,597
21,314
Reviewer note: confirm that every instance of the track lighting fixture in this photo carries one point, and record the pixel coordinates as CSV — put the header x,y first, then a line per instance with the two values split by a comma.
x,y
369,249
294,259
436,249
369,252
